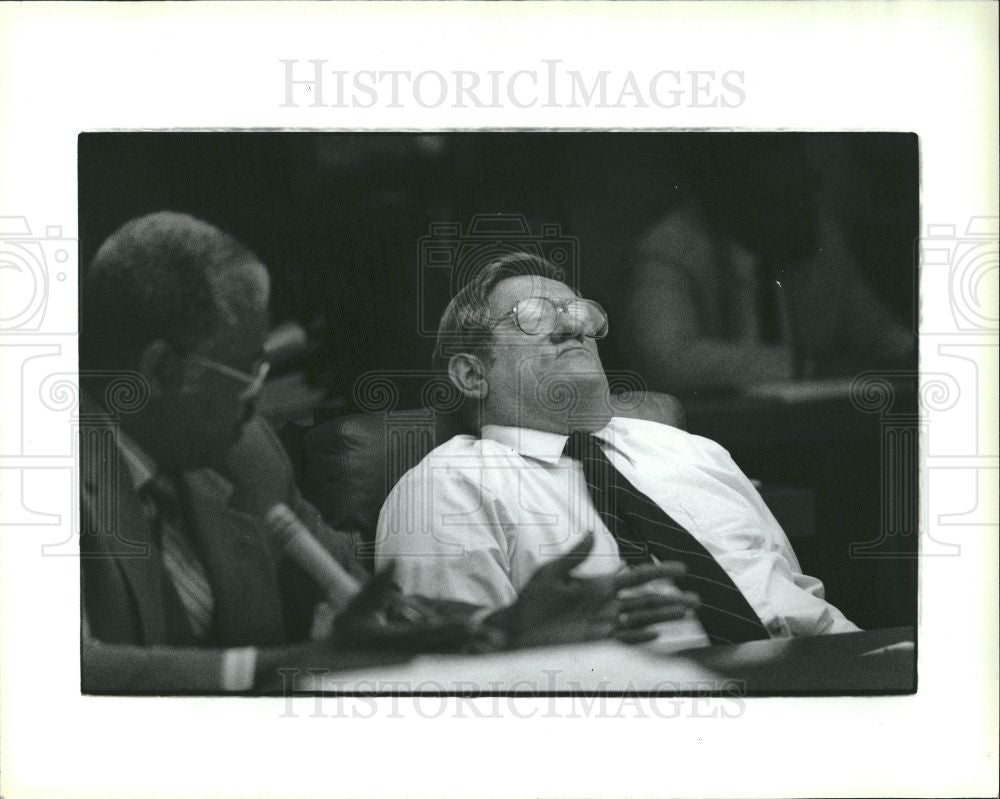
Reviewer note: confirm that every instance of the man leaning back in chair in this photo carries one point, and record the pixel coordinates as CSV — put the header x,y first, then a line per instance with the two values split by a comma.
x,y
554,465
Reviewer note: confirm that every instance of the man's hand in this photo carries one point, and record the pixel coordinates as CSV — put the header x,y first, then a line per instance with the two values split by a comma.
x,y
259,469
557,608
378,628
647,595
381,618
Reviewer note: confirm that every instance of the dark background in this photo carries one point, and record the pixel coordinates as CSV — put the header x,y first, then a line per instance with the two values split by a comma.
x,y
343,220
338,218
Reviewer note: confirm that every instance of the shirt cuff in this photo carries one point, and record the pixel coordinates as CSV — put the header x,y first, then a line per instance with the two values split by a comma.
x,y
238,667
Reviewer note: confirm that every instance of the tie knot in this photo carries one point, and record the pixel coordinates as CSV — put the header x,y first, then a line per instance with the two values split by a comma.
x,y
581,446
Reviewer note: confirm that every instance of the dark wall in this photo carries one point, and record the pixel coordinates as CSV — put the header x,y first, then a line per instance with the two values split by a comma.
x,y
339,218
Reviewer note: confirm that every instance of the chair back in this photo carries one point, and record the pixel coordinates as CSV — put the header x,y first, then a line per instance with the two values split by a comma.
x,y
351,463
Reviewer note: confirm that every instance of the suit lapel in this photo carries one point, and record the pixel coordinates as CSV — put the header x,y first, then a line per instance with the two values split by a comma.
x,y
238,563
115,524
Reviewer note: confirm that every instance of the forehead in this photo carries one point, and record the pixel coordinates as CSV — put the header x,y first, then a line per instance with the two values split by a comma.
x,y
510,290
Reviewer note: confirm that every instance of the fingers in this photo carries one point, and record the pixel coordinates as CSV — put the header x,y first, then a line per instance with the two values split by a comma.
x,y
648,601
564,564
645,618
376,592
413,610
635,636
671,570
640,613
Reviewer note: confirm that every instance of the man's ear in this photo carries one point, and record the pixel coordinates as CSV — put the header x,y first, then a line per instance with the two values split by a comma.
x,y
158,364
469,375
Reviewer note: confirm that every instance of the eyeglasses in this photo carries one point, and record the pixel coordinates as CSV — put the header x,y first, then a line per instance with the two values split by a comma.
x,y
539,316
254,381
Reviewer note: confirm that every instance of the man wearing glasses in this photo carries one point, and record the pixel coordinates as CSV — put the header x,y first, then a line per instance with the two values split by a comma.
x,y
187,584
553,465
181,588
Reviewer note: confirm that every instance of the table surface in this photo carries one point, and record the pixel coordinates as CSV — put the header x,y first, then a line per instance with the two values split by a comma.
x,y
874,661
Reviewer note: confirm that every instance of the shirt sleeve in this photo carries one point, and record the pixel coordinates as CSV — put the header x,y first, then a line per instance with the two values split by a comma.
x,y
126,668
439,526
789,602
238,667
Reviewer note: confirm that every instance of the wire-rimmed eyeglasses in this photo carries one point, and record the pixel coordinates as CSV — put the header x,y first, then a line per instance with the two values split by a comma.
x,y
254,381
539,316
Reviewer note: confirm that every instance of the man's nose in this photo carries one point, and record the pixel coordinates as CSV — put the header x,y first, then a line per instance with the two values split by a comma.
x,y
569,325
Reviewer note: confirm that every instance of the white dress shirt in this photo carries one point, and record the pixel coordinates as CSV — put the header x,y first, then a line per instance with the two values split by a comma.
x,y
476,518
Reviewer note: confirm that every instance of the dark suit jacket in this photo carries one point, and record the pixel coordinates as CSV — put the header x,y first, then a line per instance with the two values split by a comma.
x,y
129,641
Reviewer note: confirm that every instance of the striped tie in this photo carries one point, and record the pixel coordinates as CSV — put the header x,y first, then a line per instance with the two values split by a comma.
x,y
179,554
643,529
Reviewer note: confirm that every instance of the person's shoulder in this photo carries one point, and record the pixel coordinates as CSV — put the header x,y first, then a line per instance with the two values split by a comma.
x,y
645,429
682,226
449,459
672,441
654,406
456,449
209,481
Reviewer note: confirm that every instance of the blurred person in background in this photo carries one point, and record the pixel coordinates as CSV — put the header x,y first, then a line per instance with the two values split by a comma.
x,y
750,281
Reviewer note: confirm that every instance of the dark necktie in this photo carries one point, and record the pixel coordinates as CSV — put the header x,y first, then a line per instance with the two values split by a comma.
x,y
643,529
180,556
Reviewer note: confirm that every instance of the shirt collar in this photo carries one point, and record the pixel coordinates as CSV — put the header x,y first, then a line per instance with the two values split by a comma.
x,y
141,467
538,444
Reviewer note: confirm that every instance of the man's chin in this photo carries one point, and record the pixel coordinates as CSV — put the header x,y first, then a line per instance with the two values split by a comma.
x,y
585,405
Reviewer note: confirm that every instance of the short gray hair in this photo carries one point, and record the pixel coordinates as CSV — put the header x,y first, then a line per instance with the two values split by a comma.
x,y
163,276
468,321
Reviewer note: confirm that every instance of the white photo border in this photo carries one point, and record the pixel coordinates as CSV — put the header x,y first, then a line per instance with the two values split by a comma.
x,y
921,67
